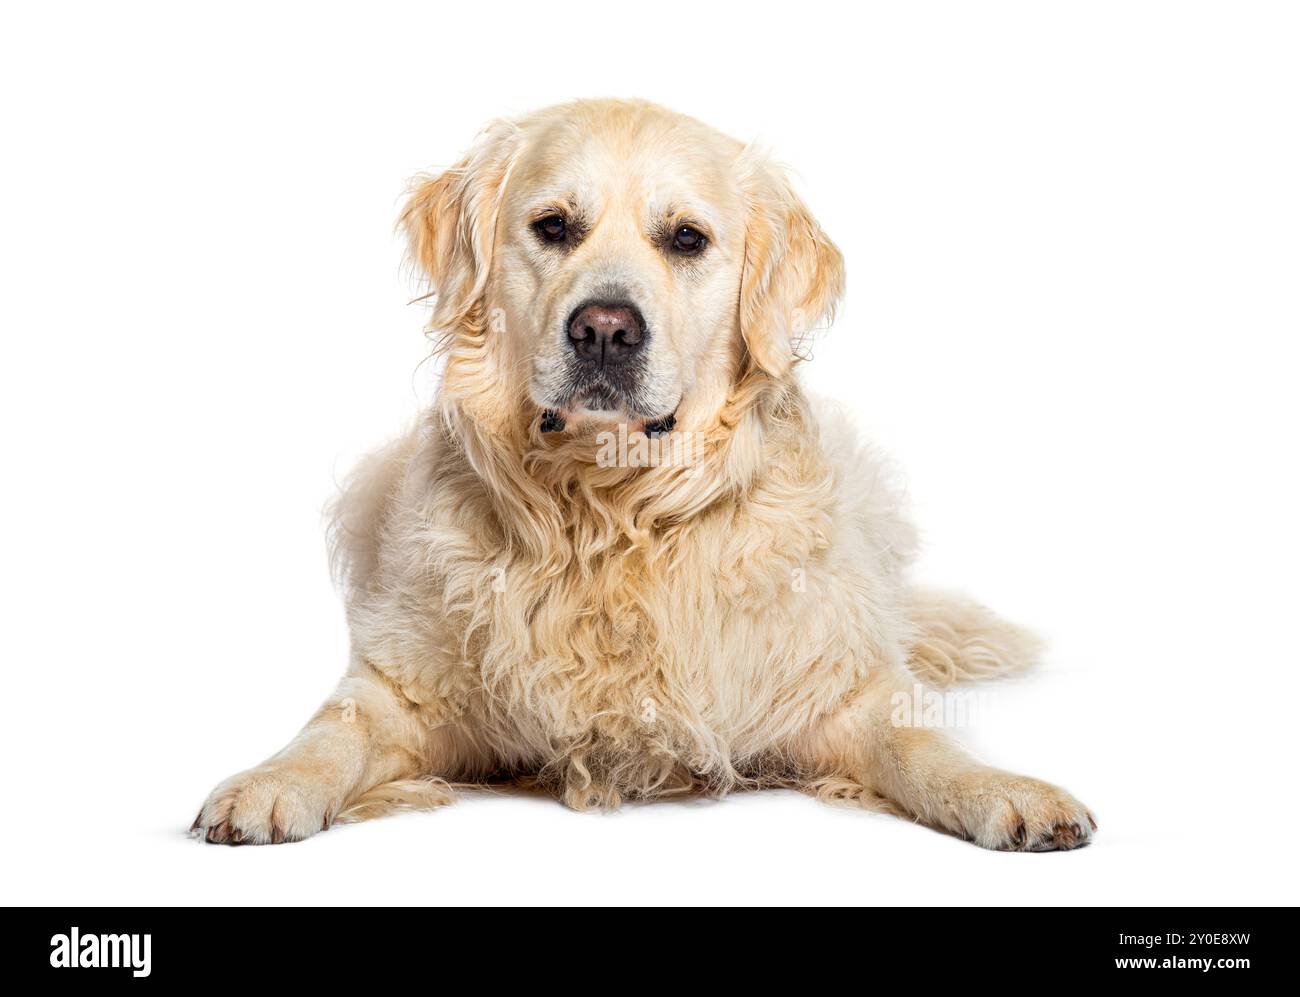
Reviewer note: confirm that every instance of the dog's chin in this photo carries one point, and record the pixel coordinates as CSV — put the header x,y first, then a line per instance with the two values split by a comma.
x,y
577,415
598,412
602,414
592,405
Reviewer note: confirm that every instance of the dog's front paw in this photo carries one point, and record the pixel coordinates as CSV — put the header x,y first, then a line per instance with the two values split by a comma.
x,y
1015,813
265,805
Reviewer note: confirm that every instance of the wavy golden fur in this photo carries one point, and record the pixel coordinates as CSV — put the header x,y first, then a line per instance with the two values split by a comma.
x,y
521,609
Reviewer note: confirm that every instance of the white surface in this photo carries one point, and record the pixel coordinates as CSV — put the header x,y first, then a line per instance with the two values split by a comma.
x,y
1073,318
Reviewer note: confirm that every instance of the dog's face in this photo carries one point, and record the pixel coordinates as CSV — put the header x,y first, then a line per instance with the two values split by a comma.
x,y
629,259
620,253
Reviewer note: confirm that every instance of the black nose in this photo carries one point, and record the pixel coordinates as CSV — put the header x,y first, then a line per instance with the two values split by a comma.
x,y
606,333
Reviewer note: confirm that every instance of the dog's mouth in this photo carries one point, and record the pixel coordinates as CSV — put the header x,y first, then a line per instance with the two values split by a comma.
x,y
601,397
555,420
605,397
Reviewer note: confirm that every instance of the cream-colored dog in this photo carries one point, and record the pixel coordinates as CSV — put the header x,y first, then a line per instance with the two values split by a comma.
x,y
623,556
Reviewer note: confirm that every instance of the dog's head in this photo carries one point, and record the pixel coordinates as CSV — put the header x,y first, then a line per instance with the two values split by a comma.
x,y
620,262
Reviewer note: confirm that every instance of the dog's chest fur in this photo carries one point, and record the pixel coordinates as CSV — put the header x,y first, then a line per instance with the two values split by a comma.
x,y
642,669
620,667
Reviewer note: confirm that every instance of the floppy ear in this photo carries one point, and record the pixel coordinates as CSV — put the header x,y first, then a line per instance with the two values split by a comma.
x,y
793,275
450,222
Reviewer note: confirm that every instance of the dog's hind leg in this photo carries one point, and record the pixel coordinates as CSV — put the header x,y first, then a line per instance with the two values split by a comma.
x,y
877,750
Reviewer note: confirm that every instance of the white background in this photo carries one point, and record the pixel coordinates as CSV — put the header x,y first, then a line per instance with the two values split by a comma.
x,y
1073,238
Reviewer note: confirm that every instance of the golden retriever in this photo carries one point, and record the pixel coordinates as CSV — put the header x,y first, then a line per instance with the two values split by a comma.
x,y
623,555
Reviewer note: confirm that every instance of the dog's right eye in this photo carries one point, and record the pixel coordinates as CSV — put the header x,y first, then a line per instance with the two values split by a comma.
x,y
551,228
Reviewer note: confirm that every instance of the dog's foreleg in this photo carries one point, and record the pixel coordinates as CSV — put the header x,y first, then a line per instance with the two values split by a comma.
x,y
879,744
365,734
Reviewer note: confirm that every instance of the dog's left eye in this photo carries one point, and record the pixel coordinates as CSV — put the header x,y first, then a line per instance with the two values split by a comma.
x,y
688,240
